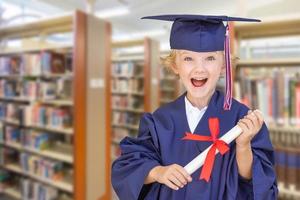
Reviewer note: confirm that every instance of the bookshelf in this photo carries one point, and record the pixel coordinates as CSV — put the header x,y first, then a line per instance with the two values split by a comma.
x,y
134,86
267,77
52,84
169,84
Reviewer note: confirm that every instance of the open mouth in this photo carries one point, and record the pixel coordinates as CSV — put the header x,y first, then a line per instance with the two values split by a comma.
x,y
198,82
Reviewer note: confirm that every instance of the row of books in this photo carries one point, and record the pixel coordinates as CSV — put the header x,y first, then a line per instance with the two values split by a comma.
x,y
36,90
168,85
134,102
119,133
37,114
42,167
127,85
127,68
268,48
275,91
29,189
34,64
28,138
287,158
126,118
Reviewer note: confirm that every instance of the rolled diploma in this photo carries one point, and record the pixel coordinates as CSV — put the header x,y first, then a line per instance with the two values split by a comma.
x,y
197,162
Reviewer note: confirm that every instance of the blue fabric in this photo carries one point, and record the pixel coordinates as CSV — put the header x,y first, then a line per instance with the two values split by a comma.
x,y
200,33
159,143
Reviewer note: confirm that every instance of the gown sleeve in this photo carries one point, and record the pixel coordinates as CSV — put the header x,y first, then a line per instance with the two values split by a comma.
x,y
263,185
138,156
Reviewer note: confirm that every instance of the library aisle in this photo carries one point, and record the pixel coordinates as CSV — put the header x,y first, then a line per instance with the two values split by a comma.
x,y
76,76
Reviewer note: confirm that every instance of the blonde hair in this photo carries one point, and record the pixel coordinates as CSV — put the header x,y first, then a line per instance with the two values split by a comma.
x,y
169,61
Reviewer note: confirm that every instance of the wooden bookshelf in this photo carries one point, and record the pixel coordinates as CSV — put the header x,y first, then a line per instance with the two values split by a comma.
x,y
284,132
136,74
86,65
169,84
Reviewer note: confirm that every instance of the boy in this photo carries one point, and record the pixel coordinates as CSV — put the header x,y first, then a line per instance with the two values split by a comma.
x,y
151,166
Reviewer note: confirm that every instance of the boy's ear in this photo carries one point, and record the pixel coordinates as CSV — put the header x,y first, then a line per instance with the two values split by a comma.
x,y
175,69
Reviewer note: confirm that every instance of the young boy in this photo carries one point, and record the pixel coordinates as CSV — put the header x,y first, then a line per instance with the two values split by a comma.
x,y
152,165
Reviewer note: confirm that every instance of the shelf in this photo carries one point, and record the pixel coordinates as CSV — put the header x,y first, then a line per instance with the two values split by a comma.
x,y
13,193
10,121
129,92
128,109
268,27
56,155
57,102
169,78
19,76
268,62
167,89
133,127
288,193
44,47
67,131
128,58
57,184
128,76
289,129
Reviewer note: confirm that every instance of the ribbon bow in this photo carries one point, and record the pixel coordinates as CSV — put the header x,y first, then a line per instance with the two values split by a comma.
x,y
217,144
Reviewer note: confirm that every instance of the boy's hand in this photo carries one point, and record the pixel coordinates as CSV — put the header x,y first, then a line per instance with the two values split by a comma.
x,y
250,125
174,176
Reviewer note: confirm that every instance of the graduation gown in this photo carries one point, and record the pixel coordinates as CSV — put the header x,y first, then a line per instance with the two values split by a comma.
x,y
159,143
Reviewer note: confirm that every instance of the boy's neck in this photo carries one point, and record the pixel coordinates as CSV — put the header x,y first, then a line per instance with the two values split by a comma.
x,y
199,102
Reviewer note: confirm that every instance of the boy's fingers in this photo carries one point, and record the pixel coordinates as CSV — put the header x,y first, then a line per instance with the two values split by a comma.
x,y
171,185
183,172
175,180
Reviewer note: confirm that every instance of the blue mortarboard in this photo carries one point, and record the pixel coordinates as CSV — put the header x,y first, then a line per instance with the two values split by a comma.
x,y
203,33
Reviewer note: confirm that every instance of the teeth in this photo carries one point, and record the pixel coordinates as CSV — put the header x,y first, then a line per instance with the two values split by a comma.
x,y
199,79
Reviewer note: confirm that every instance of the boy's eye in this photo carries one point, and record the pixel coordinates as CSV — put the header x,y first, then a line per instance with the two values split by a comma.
x,y
210,58
187,58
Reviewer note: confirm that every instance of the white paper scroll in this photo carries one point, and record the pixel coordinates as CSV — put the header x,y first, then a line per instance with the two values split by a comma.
x,y
197,162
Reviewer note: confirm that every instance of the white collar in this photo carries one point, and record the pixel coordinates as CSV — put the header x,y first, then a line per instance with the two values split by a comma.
x,y
190,108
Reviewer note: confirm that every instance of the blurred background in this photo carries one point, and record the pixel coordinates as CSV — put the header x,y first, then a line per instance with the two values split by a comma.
x,y
76,76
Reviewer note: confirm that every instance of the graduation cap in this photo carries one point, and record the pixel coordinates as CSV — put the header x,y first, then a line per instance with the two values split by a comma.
x,y
203,33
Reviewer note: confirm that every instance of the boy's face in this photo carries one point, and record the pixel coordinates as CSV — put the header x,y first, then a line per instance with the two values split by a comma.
x,y
199,71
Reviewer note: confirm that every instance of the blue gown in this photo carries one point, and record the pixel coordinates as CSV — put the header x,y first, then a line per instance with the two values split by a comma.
x,y
159,143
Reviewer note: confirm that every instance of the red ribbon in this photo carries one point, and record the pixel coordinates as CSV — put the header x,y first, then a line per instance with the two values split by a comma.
x,y
217,144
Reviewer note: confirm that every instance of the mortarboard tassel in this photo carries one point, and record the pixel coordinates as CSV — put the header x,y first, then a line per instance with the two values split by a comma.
x,y
228,95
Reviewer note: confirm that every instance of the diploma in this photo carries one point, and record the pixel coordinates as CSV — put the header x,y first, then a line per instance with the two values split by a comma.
x,y
197,162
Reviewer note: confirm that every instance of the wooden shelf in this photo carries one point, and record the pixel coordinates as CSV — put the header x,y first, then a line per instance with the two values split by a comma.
x,y
271,27
44,47
128,76
67,131
128,93
288,193
288,129
268,62
128,109
133,127
48,76
57,102
64,186
56,155
13,193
